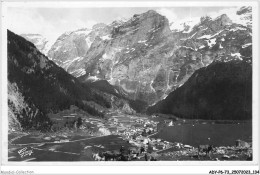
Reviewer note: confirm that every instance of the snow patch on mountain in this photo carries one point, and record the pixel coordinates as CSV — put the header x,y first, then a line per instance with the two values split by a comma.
x,y
236,55
192,35
106,37
201,47
132,49
246,45
88,42
210,36
187,47
142,41
67,63
153,90
78,72
93,78
204,37
104,56
185,25
211,42
237,28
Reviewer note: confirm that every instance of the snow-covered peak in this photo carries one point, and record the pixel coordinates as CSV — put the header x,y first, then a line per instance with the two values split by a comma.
x,y
238,15
84,31
119,21
122,19
40,42
185,25
98,26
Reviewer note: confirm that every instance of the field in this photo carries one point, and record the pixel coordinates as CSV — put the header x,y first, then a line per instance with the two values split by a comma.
x,y
215,134
69,151
40,139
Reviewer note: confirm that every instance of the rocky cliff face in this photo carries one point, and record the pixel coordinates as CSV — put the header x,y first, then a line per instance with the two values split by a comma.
x,y
146,57
129,59
71,47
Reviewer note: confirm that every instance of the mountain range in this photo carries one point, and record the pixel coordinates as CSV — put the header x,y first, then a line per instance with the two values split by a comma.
x,y
144,60
147,56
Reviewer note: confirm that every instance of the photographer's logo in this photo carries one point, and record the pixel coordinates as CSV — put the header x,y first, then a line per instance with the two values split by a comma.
x,y
25,152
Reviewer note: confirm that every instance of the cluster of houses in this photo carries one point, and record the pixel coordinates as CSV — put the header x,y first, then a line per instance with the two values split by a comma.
x,y
151,144
144,128
139,135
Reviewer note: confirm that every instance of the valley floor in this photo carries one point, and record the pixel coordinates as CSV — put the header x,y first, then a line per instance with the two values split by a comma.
x,y
178,140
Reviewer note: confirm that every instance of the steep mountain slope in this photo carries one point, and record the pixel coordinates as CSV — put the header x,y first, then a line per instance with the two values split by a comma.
x,y
146,57
15,106
220,91
41,43
37,86
117,97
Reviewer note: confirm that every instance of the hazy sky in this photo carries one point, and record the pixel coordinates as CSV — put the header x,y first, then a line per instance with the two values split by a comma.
x,y
52,22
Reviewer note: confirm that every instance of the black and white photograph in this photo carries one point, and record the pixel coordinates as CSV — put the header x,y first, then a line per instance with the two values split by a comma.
x,y
134,82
